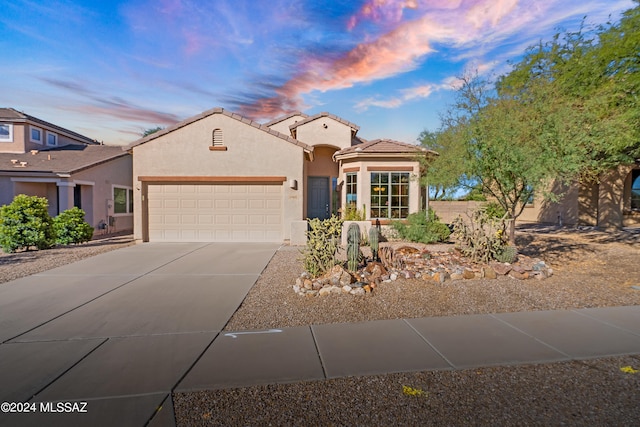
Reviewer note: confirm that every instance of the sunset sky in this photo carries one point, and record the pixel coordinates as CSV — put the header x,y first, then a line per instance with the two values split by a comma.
x,y
110,69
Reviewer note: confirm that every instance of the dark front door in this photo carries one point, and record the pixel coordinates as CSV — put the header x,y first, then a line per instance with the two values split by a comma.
x,y
318,197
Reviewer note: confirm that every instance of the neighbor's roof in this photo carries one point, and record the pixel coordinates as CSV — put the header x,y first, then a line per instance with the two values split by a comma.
x,y
383,146
325,114
65,159
211,112
15,116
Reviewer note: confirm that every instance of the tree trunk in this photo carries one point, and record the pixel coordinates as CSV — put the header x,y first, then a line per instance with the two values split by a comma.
x,y
512,232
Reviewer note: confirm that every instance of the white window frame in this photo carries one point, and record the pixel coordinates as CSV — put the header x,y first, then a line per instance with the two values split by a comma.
x,y
10,137
55,136
128,200
36,141
388,187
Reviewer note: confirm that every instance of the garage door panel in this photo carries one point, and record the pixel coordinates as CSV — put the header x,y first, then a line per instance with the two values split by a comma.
x,y
205,213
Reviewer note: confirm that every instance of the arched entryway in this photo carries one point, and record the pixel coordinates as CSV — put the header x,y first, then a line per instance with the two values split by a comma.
x,y
322,193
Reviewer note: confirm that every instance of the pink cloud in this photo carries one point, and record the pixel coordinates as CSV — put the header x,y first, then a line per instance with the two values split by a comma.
x,y
128,113
381,11
470,27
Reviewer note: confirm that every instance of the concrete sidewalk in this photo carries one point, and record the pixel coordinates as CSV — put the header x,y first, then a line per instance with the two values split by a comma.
x,y
317,352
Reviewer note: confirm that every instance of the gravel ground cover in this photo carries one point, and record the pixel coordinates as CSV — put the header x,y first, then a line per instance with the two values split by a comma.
x,y
591,269
25,263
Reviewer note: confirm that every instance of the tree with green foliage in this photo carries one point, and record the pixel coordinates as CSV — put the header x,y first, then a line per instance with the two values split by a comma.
x,y
25,223
511,145
150,131
568,111
70,227
596,75
444,172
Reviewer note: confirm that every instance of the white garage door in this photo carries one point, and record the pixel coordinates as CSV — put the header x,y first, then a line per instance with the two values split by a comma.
x,y
215,213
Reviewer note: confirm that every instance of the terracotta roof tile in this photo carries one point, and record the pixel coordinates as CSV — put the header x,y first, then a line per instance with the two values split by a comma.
x,y
383,146
65,159
325,114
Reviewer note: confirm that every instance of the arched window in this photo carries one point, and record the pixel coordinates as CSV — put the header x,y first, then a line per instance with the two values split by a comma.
x,y
635,189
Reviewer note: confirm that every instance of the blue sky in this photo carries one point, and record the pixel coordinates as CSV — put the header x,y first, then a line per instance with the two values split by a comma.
x,y
110,69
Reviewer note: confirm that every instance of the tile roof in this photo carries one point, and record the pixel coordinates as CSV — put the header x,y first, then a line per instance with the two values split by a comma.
x,y
219,110
325,114
383,146
66,159
283,118
13,115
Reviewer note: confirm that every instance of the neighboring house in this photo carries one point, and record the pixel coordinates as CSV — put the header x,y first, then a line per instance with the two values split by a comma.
x,y
613,202
219,176
38,158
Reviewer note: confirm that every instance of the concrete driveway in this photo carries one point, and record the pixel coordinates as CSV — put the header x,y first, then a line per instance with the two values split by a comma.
x,y
118,331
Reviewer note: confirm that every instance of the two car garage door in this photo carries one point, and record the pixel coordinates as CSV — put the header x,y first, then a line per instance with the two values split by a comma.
x,y
215,213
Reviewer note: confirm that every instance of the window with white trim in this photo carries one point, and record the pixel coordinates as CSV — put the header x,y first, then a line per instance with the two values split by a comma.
x,y
389,195
35,134
122,200
351,187
6,132
52,139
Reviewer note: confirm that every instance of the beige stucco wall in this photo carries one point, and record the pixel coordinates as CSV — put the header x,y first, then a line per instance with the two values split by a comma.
x,y
22,139
117,172
17,146
250,152
447,210
364,180
566,210
323,164
324,131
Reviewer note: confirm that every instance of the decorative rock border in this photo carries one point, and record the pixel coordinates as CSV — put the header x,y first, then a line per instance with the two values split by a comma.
x,y
412,263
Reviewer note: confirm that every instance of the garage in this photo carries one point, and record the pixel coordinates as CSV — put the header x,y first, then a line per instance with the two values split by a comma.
x,y
230,212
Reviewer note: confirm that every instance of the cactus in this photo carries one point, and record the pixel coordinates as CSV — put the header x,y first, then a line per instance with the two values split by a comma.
x,y
353,247
508,254
373,242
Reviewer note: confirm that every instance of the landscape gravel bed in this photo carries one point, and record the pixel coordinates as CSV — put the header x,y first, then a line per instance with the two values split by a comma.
x,y
589,271
577,393
25,263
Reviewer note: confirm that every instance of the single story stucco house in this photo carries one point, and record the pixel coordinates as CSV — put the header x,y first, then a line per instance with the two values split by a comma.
x,y
38,158
220,176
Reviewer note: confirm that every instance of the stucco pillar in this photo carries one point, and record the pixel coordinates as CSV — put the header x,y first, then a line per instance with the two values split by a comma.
x,y
65,195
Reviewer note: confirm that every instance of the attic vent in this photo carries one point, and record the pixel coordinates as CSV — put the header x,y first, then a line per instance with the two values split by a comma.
x,y
217,138
217,142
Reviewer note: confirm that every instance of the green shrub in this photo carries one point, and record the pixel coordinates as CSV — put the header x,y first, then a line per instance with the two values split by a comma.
x,y
353,214
323,242
482,238
494,210
70,227
419,228
25,223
